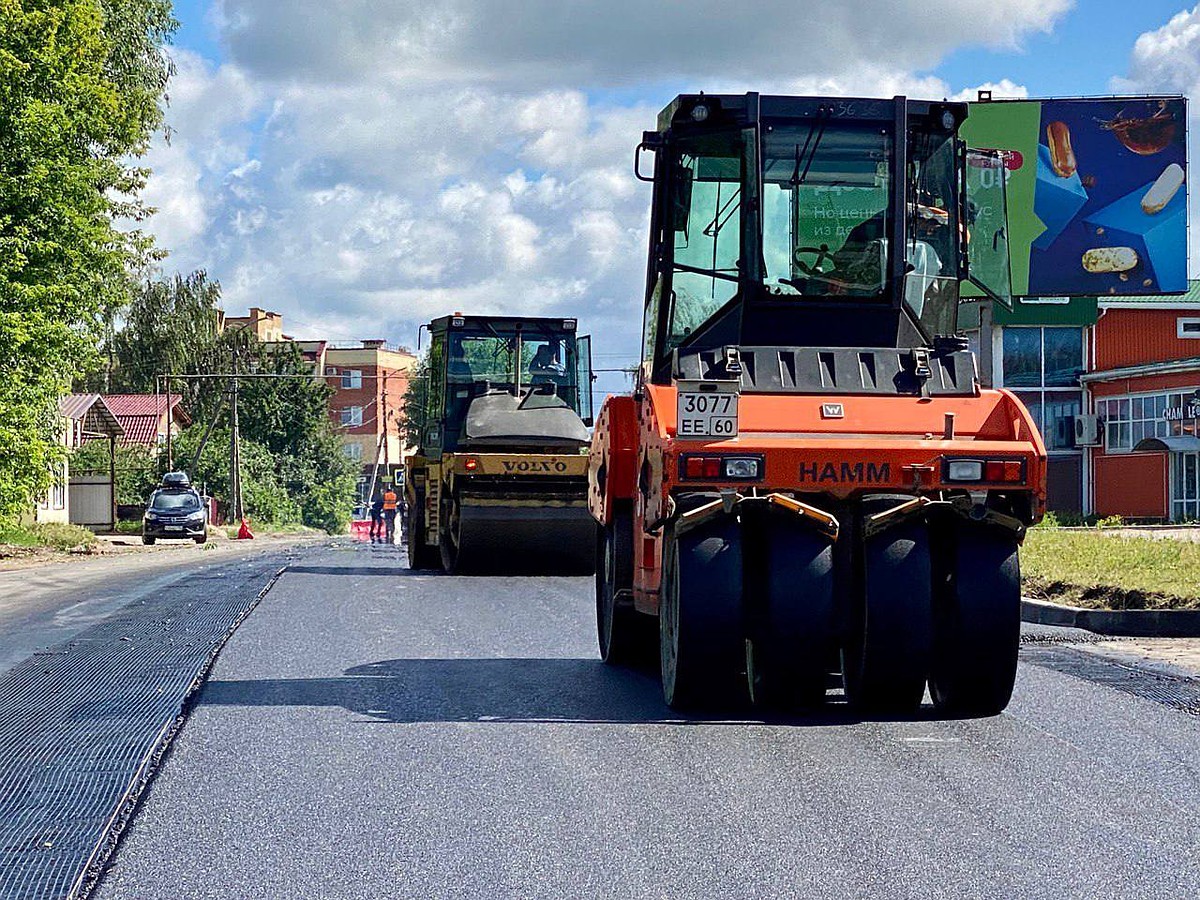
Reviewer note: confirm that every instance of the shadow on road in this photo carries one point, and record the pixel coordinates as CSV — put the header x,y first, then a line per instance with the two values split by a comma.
x,y
404,571
494,690
391,571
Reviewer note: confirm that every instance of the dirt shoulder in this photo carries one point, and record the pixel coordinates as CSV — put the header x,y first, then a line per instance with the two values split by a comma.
x,y
14,557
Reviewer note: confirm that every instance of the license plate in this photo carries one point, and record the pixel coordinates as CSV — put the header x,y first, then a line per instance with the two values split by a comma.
x,y
708,410
174,528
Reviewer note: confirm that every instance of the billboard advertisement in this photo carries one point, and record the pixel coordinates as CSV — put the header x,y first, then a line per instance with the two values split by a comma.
x,y
1096,192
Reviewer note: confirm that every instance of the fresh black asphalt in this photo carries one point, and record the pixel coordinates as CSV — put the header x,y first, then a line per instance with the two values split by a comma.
x,y
372,733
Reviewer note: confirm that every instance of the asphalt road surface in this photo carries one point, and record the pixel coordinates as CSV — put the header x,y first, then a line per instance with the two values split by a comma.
x,y
44,605
371,733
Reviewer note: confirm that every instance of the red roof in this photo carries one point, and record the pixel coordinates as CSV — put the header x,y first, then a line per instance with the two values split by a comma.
x,y
141,415
92,411
140,404
140,430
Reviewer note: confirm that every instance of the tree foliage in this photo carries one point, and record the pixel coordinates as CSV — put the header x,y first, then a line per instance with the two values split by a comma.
x,y
264,495
170,327
289,417
416,397
81,83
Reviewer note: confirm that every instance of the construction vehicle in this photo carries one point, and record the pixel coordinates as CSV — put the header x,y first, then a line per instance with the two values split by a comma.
x,y
808,480
499,480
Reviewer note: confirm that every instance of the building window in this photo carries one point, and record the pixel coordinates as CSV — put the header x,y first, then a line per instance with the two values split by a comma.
x,y
1042,366
331,370
352,415
1187,328
352,451
1130,420
351,379
58,489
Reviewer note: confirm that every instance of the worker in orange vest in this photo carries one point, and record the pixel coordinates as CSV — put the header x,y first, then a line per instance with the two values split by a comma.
x,y
389,514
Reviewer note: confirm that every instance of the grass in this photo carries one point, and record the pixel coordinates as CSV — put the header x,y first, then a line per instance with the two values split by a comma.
x,y
53,535
1100,571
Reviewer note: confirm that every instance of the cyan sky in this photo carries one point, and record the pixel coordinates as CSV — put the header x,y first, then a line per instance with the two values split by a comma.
x,y
1089,45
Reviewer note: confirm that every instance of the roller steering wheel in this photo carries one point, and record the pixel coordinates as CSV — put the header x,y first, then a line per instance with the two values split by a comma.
x,y
822,253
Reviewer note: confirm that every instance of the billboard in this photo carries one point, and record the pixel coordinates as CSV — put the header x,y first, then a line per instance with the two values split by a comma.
x,y
1096,192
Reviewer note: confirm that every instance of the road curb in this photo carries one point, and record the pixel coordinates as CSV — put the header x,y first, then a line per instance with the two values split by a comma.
x,y
1116,622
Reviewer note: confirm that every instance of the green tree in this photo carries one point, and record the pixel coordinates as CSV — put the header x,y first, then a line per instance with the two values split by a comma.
x,y
81,83
415,403
171,327
289,416
264,495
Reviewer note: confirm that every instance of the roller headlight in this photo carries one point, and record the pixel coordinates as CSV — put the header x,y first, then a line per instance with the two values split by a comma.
x,y
743,467
964,470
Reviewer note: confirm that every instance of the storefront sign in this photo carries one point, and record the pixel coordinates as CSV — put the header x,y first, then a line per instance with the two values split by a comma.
x,y
1190,410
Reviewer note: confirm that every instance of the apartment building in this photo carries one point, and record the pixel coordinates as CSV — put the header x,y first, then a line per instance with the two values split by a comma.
x,y
369,380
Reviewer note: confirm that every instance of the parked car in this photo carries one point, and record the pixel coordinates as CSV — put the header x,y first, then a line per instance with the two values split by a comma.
x,y
175,510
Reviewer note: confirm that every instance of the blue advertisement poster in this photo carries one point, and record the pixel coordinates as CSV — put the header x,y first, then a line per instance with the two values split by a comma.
x,y
1097,200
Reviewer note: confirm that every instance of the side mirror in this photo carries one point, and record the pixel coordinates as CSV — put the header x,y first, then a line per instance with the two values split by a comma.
x,y
637,161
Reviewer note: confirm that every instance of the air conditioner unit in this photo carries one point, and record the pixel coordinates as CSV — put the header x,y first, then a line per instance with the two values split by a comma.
x,y
1087,431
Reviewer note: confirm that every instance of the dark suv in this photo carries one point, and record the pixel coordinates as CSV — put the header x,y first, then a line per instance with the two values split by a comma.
x,y
175,511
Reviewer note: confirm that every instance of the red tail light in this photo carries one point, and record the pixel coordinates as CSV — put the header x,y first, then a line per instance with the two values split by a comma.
x,y
984,471
721,468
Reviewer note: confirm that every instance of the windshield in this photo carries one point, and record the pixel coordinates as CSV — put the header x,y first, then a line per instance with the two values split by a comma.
x,y
174,501
826,189
547,361
931,285
706,218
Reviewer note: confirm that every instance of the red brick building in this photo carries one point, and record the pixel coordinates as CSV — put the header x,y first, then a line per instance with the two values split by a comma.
x,y
1112,383
1143,387
369,381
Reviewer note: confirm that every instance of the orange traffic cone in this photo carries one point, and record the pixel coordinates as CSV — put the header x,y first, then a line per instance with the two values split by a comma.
x,y
244,533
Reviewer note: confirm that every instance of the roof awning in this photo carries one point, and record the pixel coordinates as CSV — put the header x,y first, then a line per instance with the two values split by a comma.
x,y
1182,443
92,413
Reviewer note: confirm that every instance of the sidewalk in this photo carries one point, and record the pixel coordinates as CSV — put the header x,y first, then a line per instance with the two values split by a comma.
x,y
1172,657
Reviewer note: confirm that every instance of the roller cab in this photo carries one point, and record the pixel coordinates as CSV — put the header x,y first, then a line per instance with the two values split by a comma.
x,y
808,486
499,481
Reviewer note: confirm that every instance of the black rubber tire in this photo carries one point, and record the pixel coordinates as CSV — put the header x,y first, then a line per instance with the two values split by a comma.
x,y
886,655
615,573
451,554
201,539
701,634
420,556
787,661
147,540
977,625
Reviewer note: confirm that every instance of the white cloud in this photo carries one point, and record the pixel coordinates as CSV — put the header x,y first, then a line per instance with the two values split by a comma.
x,y
555,42
367,166
1167,60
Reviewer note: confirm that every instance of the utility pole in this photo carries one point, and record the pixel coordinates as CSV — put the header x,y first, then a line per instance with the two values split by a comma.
x,y
170,422
384,408
235,467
